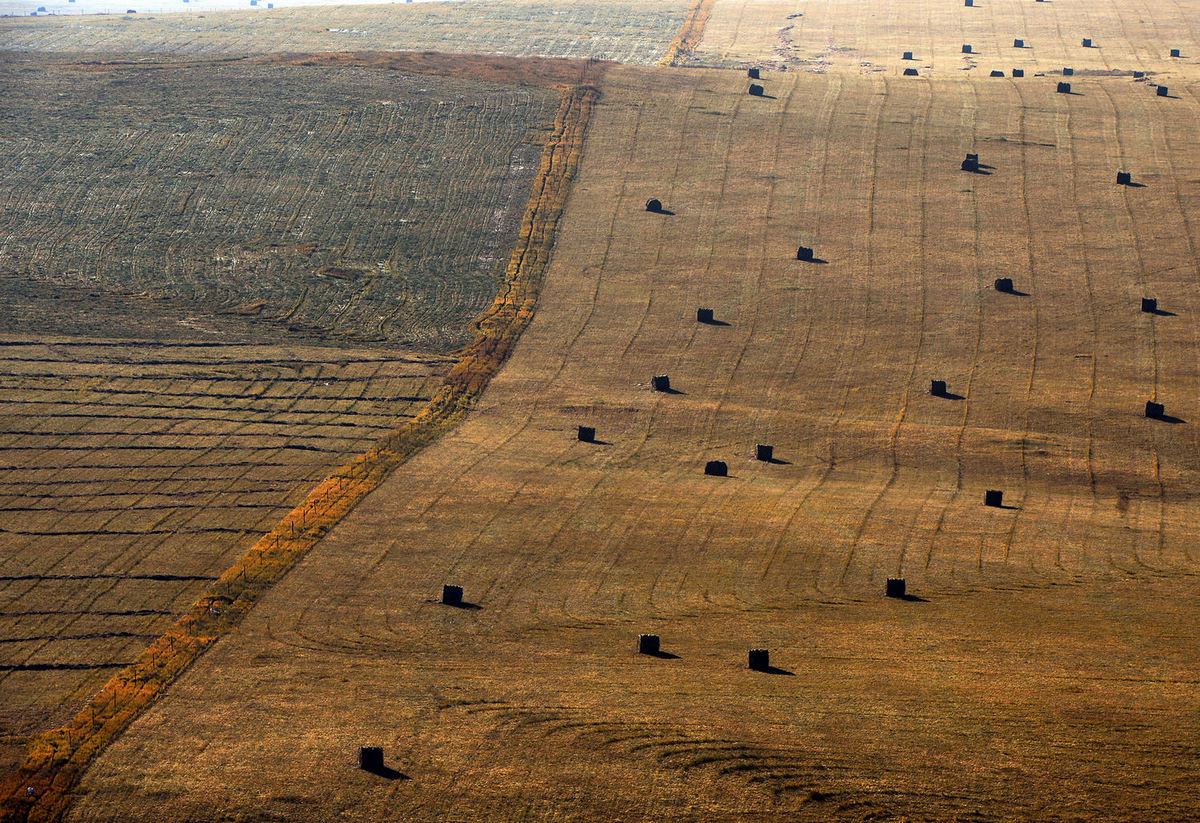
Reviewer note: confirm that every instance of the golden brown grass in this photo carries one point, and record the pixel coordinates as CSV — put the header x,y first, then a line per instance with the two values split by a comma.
x,y
845,35
1048,674
40,790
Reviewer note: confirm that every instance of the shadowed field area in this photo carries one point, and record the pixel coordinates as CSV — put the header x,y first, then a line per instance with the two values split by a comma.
x,y
850,35
1042,670
266,201
629,31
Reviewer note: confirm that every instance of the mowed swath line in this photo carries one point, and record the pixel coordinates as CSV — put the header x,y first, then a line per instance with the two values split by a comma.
x,y
571,549
842,36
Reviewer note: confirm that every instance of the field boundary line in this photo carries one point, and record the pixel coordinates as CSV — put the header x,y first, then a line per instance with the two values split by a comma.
x,y
40,790
690,33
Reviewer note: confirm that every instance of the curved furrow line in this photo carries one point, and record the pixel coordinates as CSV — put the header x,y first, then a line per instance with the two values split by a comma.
x,y
894,432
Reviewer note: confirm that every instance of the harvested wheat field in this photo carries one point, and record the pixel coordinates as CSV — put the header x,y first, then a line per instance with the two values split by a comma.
x,y
327,198
1041,666
224,282
630,31
850,35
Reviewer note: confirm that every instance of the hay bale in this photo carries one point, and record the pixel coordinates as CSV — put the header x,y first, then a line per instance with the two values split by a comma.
x,y
654,205
704,315
1150,304
1067,72
894,587
1063,88
716,468
971,163
1018,44
1162,91
753,73
937,388
370,758
452,595
804,253
910,72
1155,411
907,56
661,382
1018,72
587,434
1175,53
756,90
996,73
647,644
993,497
1004,284
764,453
1124,178
1087,42
759,660
966,49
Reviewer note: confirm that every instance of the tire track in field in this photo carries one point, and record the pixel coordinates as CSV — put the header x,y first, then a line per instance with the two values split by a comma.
x,y
894,432
1066,137
1113,138
814,196
1031,271
1189,235
918,137
960,433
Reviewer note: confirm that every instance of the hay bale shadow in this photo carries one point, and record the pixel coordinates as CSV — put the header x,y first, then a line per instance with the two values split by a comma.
x,y
386,772
774,670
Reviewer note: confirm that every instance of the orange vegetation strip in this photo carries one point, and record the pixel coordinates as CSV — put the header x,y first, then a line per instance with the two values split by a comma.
x,y
689,33
40,789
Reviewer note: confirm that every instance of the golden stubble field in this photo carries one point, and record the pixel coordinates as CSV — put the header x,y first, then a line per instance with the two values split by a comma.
x,y
1044,670
850,35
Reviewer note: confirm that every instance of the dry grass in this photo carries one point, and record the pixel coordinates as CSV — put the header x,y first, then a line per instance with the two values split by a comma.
x,y
1048,676
629,31
845,35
